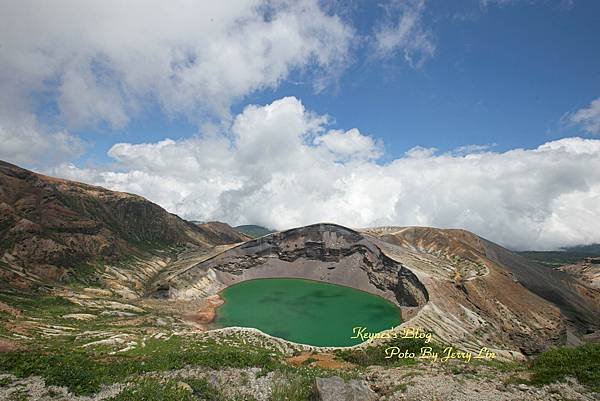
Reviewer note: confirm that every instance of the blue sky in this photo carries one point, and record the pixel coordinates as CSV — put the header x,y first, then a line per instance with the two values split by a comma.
x,y
479,114
501,74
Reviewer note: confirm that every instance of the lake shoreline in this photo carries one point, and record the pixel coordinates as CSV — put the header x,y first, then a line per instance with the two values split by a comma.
x,y
208,313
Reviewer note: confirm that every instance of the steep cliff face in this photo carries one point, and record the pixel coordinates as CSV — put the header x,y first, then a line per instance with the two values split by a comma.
x,y
49,225
324,252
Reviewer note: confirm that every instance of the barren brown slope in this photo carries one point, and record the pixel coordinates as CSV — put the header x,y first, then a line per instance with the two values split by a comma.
x,y
492,279
50,225
222,233
577,302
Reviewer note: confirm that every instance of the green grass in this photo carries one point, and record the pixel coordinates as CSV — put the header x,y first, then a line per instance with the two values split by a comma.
x,y
83,371
376,355
39,305
582,362
297,383
203,389
150,389
19,395
178,352
85,273
5,381
294,388
78,371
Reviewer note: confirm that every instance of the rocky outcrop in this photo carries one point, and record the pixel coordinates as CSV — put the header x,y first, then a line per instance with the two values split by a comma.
x,y
336,389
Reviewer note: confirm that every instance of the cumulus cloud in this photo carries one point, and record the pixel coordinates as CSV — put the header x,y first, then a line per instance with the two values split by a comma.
x,y
280,165
98,64
100,59
403,31
350,144
588,118
24,141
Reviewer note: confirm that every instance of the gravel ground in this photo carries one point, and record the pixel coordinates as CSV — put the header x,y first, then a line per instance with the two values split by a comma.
x,y
407,384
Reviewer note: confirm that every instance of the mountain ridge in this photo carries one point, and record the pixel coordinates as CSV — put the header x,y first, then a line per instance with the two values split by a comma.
x,y
49,225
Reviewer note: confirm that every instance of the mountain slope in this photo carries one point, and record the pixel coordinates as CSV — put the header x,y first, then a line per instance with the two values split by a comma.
x,y
473,264
49,226
253,231
222,233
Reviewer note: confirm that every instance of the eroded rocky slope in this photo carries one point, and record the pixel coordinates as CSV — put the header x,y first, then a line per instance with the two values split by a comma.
x,y
482,293
50,228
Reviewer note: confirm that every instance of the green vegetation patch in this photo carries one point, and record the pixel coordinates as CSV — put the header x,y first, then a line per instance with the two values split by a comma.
x,y
376,354
582,362
83,371
86,273
150,389
295,388
39,305
78,371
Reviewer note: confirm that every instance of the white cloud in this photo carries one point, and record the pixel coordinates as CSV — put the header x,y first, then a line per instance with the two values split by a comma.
x,y
24,141
473,148
588,117
404,31
102,60
350,145
278,165
89,64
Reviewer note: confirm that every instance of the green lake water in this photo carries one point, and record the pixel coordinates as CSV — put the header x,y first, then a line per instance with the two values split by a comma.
x,y
305,311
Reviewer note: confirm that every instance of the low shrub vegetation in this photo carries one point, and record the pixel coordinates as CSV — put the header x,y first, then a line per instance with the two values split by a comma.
x,y
376,354
84,371
151,389
582,362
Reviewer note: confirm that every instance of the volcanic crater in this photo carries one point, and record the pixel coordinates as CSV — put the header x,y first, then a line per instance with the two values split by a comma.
x,y
449,282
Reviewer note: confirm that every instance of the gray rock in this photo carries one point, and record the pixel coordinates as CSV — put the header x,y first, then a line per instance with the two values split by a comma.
x,y
336,389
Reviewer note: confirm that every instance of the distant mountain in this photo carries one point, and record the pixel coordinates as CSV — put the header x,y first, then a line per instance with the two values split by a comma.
x,y
565,256
50,227
253,231
219,232
591,250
